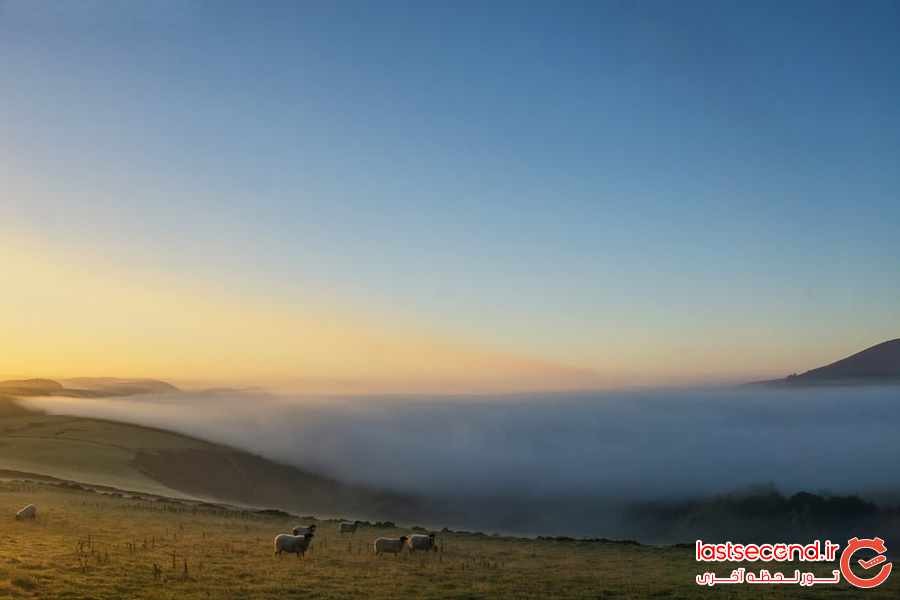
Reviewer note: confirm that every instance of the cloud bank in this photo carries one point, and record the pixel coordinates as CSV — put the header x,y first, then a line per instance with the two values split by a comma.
x,y
635,446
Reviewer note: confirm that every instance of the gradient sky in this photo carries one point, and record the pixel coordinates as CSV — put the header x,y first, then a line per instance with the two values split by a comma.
x,y
443,196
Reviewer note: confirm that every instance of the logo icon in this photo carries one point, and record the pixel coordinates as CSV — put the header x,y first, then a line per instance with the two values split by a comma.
x,y
853,546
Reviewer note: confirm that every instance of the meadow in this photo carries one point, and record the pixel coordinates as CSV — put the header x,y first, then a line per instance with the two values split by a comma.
x,y
86,544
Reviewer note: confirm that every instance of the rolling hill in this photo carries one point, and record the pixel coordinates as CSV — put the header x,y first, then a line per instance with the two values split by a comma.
x,y
152,461
879,364
84,387
30,387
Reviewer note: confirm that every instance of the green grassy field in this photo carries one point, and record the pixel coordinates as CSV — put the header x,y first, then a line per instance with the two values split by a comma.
x,y
90,545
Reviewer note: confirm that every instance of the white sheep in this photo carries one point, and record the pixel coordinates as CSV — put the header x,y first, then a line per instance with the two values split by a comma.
x,y
346,527
385,545
29,512
292,544
304,529
421,541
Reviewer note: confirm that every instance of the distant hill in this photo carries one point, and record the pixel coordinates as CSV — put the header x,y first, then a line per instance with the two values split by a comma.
x,y
85,387
879,364
110,386
30,387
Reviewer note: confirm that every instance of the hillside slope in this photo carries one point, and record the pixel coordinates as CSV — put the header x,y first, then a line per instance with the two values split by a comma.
x,y
105,547
30,387
141,459
879,364
85,387
881,361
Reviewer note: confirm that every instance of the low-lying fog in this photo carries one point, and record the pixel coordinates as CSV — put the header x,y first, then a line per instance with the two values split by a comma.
x,y
636,446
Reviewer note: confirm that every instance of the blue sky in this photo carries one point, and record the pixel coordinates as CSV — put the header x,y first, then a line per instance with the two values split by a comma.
x,y
652,189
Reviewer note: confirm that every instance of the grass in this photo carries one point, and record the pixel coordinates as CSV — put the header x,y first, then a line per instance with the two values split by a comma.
x,y
95,451
90,545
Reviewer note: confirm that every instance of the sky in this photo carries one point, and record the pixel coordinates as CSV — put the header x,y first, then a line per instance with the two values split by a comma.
x,y
447,197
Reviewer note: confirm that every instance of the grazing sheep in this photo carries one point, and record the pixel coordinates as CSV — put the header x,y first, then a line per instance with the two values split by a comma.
x,y
422,542
385,545
292,544
346,527
29,512
304,529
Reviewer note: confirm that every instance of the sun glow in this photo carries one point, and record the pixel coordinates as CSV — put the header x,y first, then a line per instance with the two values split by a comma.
x,y
71,315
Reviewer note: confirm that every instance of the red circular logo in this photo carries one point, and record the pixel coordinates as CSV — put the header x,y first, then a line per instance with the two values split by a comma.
x,y
856,544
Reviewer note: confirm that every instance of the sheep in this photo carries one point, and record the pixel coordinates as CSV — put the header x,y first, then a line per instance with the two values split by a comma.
x,y
422,542
304,530
296,544
29,512
346,527
390,545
